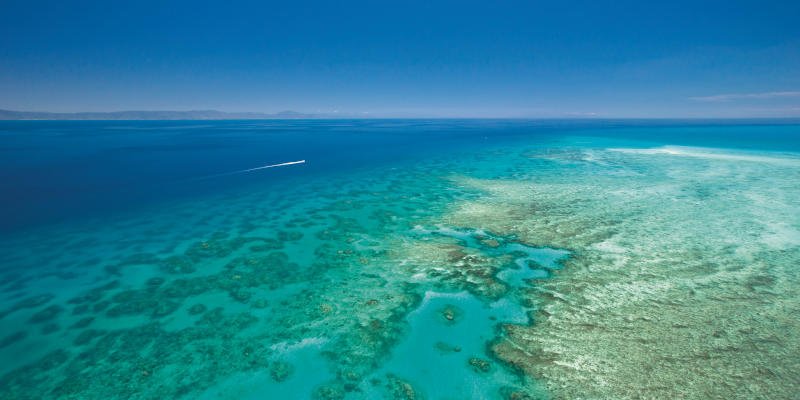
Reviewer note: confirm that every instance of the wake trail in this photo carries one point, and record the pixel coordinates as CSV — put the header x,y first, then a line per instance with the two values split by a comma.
x,y
285,164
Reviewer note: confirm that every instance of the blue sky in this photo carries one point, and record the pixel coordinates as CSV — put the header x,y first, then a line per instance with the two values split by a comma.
x,y
380,58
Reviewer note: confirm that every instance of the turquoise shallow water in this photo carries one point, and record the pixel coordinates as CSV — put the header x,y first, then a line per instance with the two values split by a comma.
x,y
130,272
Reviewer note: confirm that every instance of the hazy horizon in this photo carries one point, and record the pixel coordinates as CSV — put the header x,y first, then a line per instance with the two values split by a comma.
x,y
191,115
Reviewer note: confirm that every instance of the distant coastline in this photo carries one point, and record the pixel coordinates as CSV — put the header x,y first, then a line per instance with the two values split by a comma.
x,y
215,115
153,115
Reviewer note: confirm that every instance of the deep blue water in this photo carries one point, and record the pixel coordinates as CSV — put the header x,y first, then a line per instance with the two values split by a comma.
x,y
52,171
56,170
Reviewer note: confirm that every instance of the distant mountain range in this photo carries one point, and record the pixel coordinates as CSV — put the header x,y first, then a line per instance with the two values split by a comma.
x,y
154,115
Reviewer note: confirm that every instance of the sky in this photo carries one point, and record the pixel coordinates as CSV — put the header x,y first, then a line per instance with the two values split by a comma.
x,y
520,59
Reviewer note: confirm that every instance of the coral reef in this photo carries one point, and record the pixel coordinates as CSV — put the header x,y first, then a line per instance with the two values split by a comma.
x,y
600,273
681,283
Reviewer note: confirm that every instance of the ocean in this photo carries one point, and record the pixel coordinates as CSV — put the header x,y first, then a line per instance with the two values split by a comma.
x,y
403,259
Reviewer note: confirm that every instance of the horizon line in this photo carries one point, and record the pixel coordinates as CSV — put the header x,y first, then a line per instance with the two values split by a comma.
x,y
298,115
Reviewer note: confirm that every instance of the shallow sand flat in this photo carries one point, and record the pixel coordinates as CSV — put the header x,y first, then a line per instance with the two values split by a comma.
x,y
683,282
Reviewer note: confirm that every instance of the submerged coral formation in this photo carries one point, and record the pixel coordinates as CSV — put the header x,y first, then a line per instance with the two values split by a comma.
x,y
598,272
257,297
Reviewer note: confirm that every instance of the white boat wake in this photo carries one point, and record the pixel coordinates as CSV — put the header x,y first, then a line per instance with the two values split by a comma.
x,y
255,169
270,166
